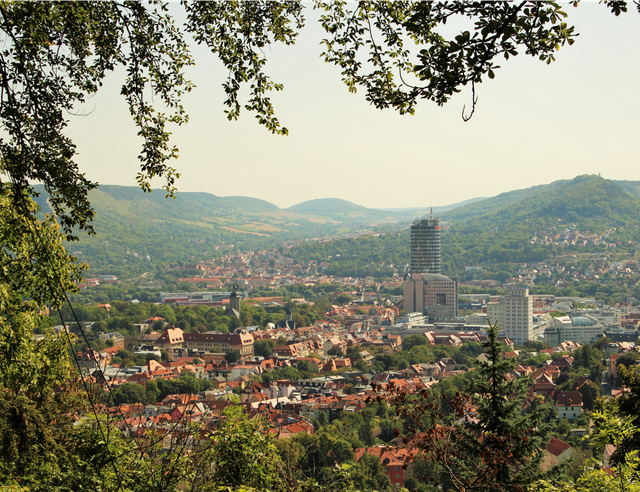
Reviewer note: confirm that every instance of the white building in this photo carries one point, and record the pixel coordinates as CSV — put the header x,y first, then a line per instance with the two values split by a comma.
x,y
477,319
608,316
518,315
580,329
412,319
495,313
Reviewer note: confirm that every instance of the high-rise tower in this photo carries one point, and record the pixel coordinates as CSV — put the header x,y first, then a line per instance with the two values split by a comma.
x,y
426,290
518,308
426,251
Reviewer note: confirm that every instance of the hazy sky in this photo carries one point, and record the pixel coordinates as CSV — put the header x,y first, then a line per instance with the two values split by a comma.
x,y
534,123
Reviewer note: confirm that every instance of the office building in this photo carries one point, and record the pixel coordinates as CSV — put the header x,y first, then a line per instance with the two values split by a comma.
x,y
426,250
435,296
426,290
198,298
495,313
518,315
579,329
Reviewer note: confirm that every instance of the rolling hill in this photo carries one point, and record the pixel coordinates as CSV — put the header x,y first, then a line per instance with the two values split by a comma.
x,y
521,226
338,209
134,228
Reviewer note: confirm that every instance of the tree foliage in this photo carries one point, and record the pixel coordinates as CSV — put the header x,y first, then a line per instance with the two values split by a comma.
x,y
54,57
241,453
491,443
613,428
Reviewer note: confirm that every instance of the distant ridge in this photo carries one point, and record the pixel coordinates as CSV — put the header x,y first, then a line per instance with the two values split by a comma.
x,y
585,214
134,228
436,210
326,206
487,205
585,197
132,200
555,189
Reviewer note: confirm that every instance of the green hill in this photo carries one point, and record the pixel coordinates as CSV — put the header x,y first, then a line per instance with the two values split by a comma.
x,y
135,230
326,206
492,204
335,208
585,205
592,201
130,200
632,187
522,226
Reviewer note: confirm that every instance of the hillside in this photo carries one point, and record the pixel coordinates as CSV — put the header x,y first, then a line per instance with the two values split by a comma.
x,y
338,209
326,206
497,202
129,200
590,201
136,230
632,187
587,213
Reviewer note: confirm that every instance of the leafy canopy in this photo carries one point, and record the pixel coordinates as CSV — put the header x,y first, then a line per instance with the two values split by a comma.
x,y
56,55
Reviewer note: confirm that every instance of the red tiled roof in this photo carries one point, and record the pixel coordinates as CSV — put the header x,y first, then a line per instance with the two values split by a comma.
x,y
556,447
569,399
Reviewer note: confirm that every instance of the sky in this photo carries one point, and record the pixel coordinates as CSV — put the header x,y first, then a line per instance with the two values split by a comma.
x,y
534,124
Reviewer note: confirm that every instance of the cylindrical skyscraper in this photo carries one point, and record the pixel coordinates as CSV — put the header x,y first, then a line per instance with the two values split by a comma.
x,y
426,251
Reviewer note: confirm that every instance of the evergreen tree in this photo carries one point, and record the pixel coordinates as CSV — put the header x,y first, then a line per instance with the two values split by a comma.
x,y
497,446
628,406
590,393
488,442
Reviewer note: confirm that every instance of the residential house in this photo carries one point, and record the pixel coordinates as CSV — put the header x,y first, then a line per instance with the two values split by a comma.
x,y
556,452
569,404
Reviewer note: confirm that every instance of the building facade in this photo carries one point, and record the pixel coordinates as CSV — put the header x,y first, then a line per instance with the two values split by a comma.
x,y
207,342
518,315
198,298
435,296
426,290
426,249
580,329
495,313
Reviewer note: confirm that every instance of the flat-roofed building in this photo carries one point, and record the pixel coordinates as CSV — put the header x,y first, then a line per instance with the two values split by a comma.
x,y
207,342
433,295
518,317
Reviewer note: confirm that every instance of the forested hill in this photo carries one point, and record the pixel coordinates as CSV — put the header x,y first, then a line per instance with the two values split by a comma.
x,y
136,229
497,202
587,212
129,201
488,205
331,207
591,202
